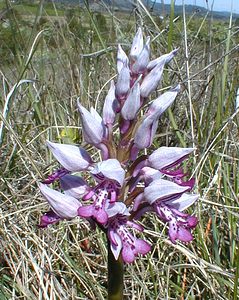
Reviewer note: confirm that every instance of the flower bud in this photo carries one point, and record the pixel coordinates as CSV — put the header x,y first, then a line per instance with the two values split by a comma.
x,y
144,134
140,65
160,104
123,83
152,80
122,59
162,59
92,127
110,105
137,45
132,103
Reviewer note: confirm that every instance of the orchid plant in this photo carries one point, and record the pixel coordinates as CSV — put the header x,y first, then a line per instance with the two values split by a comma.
x,y
126,184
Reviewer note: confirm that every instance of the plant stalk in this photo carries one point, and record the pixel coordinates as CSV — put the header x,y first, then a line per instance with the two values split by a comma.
x,y
115,276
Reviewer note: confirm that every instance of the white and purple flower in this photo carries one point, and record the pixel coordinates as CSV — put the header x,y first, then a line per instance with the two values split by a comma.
x,y
125,184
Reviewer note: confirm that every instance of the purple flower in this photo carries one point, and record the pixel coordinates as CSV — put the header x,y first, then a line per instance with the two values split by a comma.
x,y
118,189
110,176
180,224
121,239
168,200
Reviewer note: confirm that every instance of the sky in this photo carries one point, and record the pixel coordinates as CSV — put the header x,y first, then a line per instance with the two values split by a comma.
x,y
218,5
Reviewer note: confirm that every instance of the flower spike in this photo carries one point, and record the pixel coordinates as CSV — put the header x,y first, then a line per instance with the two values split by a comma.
x,y
127,181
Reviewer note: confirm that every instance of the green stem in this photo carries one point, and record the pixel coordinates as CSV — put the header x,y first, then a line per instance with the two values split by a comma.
x,y
115,276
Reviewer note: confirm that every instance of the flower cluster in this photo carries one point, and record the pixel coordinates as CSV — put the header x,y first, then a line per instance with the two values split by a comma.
x,y
125,184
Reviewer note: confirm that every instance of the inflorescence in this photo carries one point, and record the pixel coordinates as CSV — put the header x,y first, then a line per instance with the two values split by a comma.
x,y
126,184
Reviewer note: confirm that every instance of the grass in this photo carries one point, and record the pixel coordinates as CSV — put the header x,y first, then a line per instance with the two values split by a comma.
x,y
73,57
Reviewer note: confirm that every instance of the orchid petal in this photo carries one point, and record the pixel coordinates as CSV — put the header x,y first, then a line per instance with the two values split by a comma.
x,y
183,202
142,246
95,115
86,211
101,216
173,230
49,218
111,169
74,186
192,222
72,158
116,248
149,174
163,190
63,205
166,157
127,254
112,237
184,235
